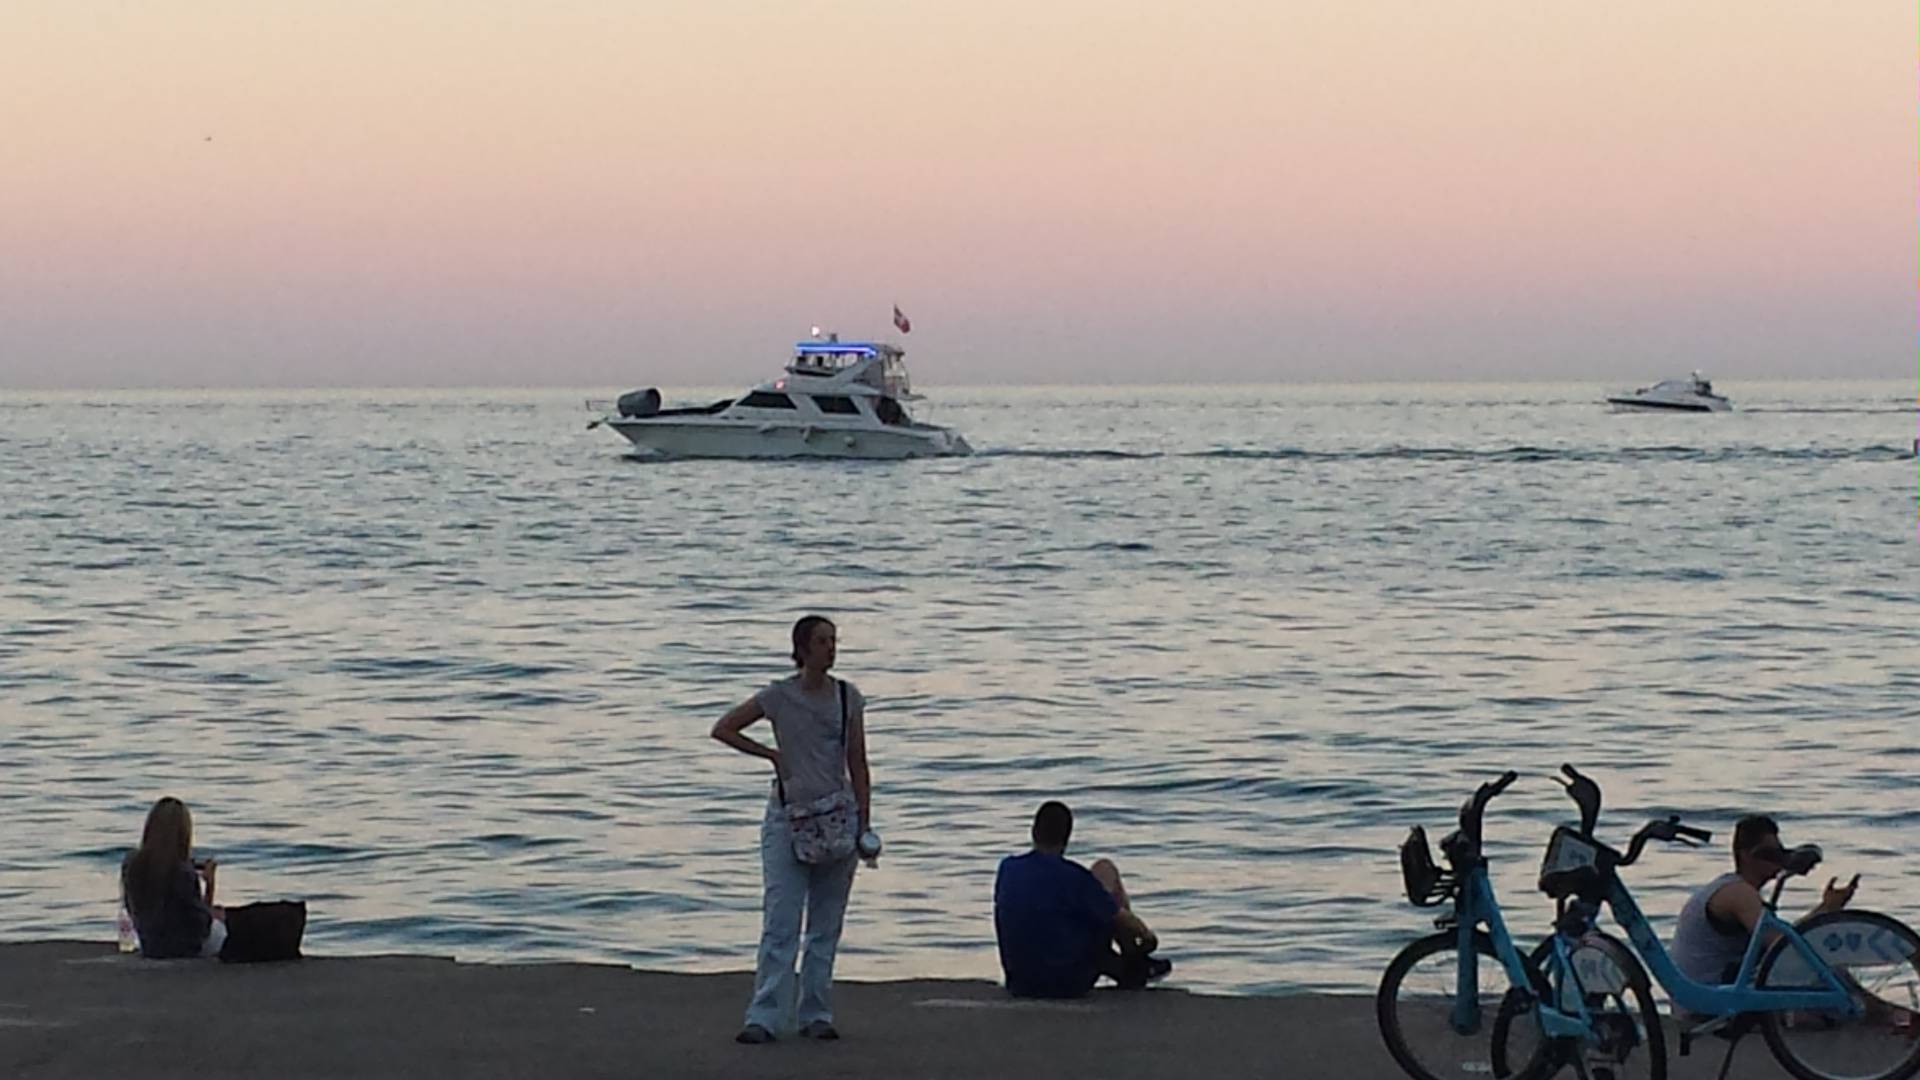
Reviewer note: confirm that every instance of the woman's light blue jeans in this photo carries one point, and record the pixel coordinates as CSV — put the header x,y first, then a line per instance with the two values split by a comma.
x,y
794,887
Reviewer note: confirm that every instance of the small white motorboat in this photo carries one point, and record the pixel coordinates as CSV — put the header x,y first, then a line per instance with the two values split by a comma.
x,y
838,399
1691,394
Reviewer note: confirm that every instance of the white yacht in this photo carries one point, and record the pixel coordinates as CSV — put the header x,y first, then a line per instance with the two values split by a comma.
x,y
839,399
1691,394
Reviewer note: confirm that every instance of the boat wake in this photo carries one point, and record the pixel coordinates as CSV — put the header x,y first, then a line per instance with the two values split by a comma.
x,y
1510,454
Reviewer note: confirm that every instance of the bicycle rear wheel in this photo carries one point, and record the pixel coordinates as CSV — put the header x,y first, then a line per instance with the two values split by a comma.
x,y
1415,1007
1879,960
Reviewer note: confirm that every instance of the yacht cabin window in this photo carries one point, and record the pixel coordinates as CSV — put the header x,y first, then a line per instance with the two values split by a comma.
x,y
835,403
760,399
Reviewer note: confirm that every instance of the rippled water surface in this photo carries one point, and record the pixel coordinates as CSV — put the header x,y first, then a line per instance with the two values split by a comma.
x,y
444,663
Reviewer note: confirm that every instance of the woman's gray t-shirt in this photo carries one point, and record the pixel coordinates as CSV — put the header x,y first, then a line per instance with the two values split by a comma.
x,y
806,730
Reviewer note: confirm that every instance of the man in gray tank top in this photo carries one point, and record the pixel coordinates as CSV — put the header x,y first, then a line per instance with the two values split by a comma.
x,y
1717,921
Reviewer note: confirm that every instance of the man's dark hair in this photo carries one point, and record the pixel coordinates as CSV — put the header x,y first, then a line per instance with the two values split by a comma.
x,y
1052,825
1750,831
803,634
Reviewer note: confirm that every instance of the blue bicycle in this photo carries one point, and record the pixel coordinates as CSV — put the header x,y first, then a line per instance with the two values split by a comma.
x,y
1837,995
1439,997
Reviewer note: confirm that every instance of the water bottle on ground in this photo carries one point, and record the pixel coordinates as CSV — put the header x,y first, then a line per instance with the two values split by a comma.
x,y
129,941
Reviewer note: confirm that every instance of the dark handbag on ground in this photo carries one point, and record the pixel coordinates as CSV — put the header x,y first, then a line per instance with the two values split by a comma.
x,y
257,933
824,830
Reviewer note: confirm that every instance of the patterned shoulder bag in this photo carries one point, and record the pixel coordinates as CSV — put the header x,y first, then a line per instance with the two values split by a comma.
x,y
824,829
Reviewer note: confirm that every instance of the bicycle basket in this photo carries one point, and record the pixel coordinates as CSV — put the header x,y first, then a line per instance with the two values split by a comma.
x,y
1571,866
1427,884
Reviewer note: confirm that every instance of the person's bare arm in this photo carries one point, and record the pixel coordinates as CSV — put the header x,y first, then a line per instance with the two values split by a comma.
x,y
731,729
1737,902
857,764
1740,902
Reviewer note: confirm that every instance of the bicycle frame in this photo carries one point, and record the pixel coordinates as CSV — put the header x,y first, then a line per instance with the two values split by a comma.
x,y
1715,1000
1476,905
1741,995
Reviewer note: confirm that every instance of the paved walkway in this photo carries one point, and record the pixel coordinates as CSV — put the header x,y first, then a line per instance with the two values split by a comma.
x,y
82,1010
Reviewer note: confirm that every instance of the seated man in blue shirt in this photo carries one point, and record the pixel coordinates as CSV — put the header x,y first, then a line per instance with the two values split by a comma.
x,y
1062,925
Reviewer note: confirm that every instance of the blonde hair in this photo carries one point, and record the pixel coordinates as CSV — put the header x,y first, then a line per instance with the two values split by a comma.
x,y
165,843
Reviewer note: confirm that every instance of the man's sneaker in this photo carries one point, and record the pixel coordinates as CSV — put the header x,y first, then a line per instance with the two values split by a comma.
x,y
755,1034
820,1030
1137,971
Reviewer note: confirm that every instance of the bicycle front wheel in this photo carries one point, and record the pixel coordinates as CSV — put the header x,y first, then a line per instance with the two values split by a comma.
x,y
1415,1007
1629,1041
1878,960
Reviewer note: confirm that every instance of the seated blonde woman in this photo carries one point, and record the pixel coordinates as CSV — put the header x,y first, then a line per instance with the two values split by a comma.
x,y
169,896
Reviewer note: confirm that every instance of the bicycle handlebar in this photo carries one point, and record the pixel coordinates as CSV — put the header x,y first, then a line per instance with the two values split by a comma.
x,y
1506,781
1586,795
1584,792
1667,829
1472,813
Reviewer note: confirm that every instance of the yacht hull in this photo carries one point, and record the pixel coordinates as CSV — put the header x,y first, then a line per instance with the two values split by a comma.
x,y
745,439
1626,404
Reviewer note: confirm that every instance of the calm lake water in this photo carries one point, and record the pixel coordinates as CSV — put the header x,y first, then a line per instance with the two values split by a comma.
x,y
444,663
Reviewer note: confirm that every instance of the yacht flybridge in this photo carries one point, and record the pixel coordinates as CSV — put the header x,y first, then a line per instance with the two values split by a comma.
x,y
1691,394
841,399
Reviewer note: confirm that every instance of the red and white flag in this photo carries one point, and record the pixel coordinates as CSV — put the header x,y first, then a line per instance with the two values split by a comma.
x,y
900,320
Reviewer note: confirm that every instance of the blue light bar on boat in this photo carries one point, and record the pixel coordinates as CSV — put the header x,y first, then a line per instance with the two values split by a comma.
x,y
835,347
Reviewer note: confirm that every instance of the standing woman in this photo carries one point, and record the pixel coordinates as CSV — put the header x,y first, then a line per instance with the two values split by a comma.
x,y
818,806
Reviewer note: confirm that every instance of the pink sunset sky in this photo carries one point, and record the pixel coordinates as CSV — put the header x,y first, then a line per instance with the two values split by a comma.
x,y
590,192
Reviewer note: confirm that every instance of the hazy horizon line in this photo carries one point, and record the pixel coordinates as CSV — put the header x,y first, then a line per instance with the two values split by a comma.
x,y
1009,385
